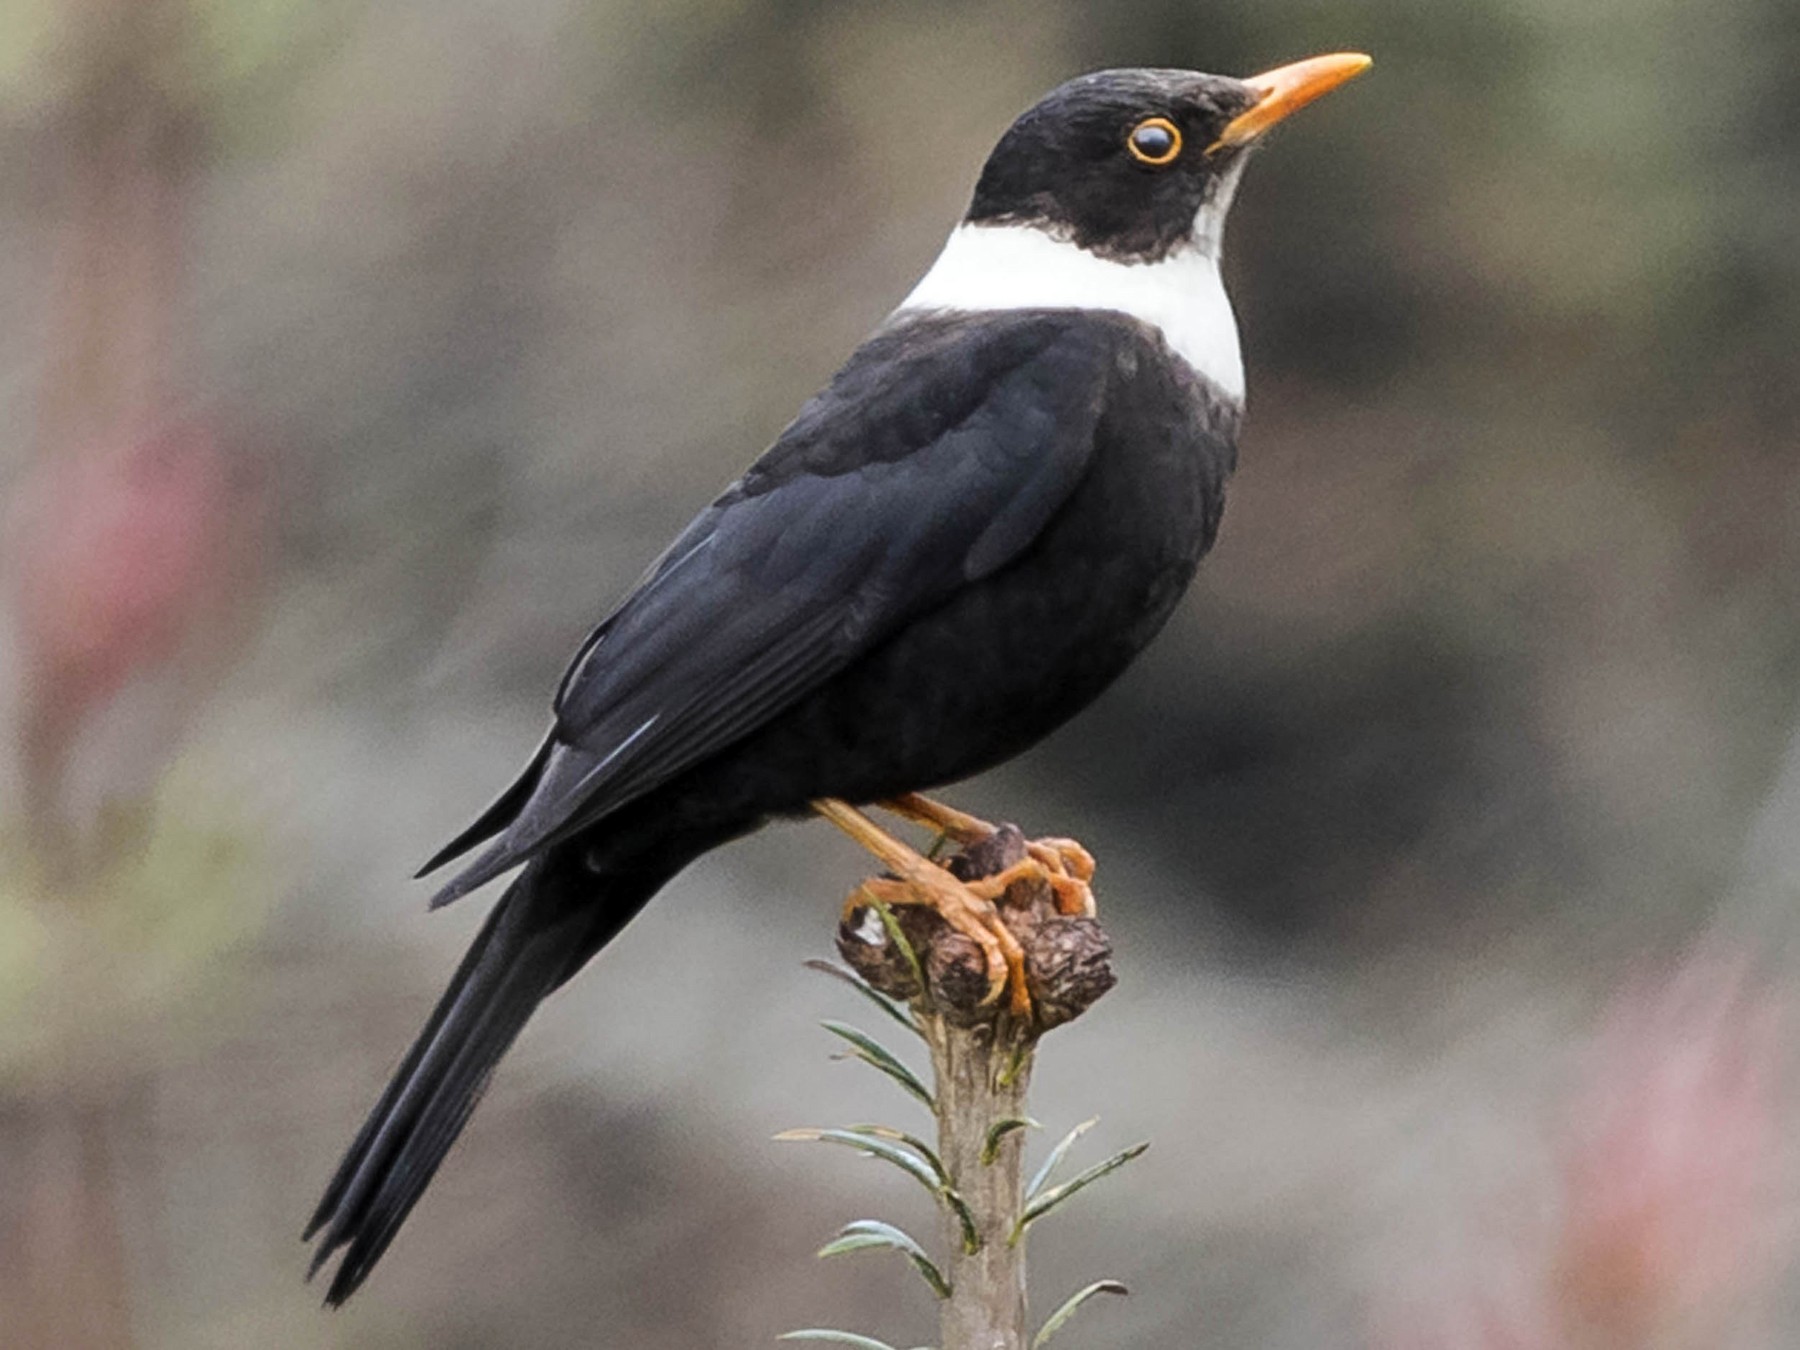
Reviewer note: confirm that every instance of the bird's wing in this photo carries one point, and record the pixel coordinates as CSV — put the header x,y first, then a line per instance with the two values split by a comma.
x,y
933,459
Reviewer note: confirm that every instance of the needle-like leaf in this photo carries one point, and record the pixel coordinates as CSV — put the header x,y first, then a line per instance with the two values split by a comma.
x,y
1057,1154
912,1141
1015,1064
838,1338
1070,1305
990,1148
1050,1199
903,945
866,1234
903,1158
971,1236
882,1145
867,990
872,1052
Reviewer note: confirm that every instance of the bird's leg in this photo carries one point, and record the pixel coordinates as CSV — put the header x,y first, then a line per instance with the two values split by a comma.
x,y
919,881
1064,865
946,820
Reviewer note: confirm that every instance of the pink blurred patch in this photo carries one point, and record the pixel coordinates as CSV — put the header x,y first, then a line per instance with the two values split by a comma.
x,y
1664,1224
1669,1170
122,552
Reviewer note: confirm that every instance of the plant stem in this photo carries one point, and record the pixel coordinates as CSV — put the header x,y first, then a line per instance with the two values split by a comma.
x,y
986,1309
981,1058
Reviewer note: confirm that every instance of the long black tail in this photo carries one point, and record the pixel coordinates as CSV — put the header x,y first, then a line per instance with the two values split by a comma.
x,y
538,935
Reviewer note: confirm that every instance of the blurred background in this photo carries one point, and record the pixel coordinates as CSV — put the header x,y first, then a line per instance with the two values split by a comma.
x,y
359,353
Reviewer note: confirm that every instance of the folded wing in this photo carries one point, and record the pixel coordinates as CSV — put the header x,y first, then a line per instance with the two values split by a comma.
x,y
933,459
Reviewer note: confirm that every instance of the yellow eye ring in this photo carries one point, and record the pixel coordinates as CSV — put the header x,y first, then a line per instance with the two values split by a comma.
x,y
1155,141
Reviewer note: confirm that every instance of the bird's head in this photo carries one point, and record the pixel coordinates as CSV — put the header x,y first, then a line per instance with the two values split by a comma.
x,y
1136,165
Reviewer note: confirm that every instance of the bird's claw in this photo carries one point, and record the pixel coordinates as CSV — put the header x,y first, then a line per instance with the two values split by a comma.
x,y
1064,864
970,908
1060,864
966,912
1069,868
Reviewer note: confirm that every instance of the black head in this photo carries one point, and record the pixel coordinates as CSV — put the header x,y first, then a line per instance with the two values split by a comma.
x,y
1136,164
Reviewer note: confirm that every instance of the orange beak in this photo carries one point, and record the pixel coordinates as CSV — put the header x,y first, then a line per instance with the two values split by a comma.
x,y
1287,89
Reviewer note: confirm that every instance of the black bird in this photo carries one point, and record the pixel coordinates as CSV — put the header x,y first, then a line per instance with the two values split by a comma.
x,y
961,541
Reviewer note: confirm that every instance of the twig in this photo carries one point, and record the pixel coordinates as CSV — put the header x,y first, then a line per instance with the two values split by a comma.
x,y
981,1061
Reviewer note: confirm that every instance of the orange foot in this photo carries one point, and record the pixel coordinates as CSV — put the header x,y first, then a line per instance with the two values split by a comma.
x,y
919,881
1064,865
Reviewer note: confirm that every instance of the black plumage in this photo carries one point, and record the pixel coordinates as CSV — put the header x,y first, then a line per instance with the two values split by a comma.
x,y
951,550
1058,166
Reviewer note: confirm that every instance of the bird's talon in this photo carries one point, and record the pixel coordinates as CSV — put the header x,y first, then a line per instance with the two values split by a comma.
x,y
1011,975
1072,894
1063,855
971,908
1069,868
1020,1006
1074,898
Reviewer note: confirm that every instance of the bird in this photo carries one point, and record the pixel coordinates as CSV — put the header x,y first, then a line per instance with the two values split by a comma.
x,y
981,520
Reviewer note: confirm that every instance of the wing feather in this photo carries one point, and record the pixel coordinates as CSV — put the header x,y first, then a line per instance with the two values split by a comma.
x,y
933,459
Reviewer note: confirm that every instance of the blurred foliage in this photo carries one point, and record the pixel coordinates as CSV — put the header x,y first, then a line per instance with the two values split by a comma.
x,y
105,977
234,62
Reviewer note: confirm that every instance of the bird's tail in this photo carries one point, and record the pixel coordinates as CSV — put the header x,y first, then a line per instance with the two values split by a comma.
x,y
537,936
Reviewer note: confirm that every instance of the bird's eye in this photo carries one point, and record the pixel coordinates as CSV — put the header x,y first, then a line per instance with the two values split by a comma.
x,y
1155,141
